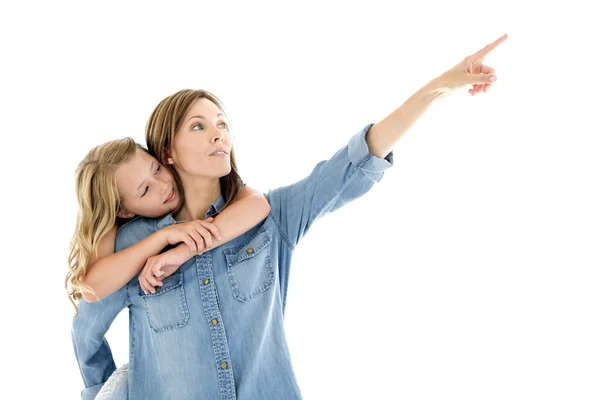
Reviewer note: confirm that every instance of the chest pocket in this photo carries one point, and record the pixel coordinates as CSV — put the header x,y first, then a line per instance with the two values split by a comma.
x,y
167,308
249,267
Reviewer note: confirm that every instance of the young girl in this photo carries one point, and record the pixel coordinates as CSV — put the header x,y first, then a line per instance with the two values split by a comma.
x,y
214,329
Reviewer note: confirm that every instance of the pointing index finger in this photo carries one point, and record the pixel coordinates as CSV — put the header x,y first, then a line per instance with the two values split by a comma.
x,y
487,49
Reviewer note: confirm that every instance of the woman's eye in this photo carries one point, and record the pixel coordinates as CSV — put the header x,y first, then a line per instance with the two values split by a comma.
x,y
145,191
224,124
157,170
196,127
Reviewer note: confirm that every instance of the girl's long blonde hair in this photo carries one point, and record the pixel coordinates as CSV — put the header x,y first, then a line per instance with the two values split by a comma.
x,y
163,124
99,202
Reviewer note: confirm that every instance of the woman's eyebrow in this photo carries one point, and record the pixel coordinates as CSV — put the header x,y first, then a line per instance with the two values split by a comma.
x,y
202,117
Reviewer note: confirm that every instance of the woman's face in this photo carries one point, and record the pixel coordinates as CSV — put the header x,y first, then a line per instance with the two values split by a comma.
x,y
202,145
146,187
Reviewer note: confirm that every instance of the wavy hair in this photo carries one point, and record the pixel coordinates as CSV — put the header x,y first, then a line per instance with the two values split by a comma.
x,y
99,202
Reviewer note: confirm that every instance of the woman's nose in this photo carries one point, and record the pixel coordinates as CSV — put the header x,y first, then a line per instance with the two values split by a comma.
x,y
218,136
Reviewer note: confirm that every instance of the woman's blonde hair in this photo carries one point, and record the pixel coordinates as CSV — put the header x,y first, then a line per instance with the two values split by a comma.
x,y
99,202
163,124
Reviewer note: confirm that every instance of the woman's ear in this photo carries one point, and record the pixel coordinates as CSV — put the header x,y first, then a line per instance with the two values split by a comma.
x,y
168,158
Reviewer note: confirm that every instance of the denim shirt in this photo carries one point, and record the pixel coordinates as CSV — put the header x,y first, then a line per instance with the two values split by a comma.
x,y
215,330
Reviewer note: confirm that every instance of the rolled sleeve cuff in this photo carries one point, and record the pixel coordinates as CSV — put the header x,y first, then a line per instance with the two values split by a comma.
x,y
91,392
359,155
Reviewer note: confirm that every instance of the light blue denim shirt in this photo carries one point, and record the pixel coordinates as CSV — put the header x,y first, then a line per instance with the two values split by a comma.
x,y
214,330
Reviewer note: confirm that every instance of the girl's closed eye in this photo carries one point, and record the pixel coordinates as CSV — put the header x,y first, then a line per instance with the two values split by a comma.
x,y
157,170
145,191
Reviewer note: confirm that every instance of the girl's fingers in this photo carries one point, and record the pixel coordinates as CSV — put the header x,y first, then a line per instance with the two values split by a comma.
x,y
207,237
146,287
157,272
212,229
151,279
191,244
198,240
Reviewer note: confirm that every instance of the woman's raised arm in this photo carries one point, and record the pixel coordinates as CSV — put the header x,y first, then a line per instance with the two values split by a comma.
x,y
382,136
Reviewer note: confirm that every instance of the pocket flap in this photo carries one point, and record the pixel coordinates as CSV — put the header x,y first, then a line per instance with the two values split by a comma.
x,y
258,242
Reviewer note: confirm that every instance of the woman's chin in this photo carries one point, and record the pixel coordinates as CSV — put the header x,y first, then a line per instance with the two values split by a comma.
x,y
225,171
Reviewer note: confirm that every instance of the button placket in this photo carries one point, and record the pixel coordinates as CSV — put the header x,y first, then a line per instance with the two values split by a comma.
x,y
209,296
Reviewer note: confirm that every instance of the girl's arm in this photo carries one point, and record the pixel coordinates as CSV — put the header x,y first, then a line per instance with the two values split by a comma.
x,y
109,271
240,220
250,208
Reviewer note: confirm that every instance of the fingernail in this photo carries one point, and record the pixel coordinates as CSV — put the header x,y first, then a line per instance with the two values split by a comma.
x,y
493,78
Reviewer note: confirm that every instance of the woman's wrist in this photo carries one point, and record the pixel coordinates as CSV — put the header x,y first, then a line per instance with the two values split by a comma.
x,y
433,90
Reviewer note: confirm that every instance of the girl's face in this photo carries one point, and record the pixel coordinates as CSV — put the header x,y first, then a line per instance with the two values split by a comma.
x,y
202,144
146,187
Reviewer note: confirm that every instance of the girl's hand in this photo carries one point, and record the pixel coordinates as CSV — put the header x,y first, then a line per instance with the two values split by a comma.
x,y
162,265
470,71
196,234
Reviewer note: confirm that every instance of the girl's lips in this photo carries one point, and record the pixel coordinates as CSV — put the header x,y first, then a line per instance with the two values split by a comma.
x,y
171,196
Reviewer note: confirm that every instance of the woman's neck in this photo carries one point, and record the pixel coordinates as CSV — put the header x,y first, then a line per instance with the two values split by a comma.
x,y
199,195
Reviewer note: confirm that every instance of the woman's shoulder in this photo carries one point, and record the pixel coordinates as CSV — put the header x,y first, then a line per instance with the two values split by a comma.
x,y
137,222
134,230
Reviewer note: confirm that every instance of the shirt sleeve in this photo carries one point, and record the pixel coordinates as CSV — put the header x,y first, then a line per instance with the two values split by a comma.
x,y
346,176
88,331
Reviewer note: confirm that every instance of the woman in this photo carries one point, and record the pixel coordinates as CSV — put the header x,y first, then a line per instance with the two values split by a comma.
x,y
214,329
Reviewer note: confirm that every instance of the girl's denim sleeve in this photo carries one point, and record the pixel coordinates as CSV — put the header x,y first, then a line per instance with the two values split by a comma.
x,y
92,351
346,176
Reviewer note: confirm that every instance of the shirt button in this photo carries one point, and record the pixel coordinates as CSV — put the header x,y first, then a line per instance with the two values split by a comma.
x,y
250,250
223,365
206,281
214,322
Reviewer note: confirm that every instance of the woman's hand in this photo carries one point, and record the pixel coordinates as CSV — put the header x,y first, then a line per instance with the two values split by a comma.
x,y
162,265
470,71
196,234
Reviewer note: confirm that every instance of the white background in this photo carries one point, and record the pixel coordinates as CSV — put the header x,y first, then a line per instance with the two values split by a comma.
x,y
469,272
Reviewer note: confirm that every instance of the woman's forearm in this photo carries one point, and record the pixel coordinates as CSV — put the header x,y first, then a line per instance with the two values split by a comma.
x,y
471,71
382,136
